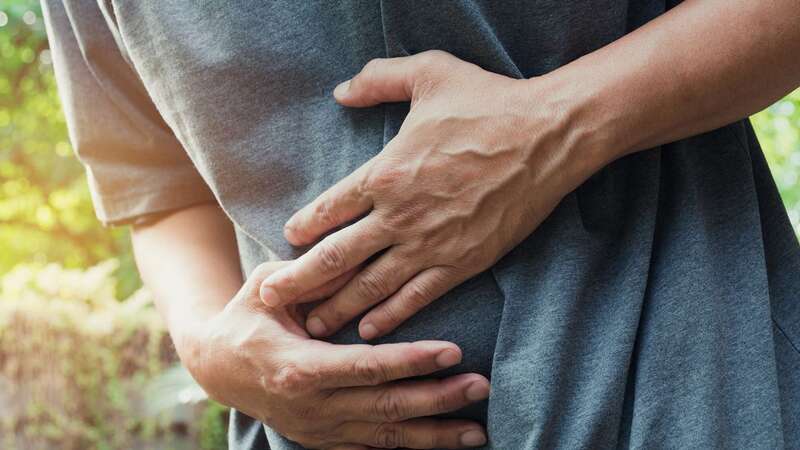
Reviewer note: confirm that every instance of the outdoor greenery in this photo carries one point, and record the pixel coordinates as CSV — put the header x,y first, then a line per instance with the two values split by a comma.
x,y
80,369
80,343
778,130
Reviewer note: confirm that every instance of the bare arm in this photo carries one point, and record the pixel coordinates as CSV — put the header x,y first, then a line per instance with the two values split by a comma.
x,y
260,360
190,261
451,193
702,65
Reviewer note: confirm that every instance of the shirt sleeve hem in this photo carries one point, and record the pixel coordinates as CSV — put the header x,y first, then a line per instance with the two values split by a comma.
x,y
130,207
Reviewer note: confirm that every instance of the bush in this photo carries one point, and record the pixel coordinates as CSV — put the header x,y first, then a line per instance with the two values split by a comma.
x,y
76,364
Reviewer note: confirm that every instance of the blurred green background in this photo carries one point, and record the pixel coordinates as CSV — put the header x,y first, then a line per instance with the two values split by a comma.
x,y
84,360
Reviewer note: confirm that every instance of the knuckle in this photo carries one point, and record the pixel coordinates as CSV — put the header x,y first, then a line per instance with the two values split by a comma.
x,y
326,214
291,380
419,295
441,402
331,313
433,67
405,217
390,313
383,178
331,257
370,70
370,285
436,53
389,435
370,370
289,283
430,58
390,406
432,62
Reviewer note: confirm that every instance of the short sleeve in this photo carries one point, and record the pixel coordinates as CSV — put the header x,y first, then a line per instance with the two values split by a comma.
x,y
134,164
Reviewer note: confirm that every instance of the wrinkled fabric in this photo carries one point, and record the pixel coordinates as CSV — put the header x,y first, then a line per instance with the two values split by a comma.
x,y
657,307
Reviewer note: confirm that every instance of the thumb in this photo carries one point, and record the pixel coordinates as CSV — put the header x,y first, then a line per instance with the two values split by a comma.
x,y
384,80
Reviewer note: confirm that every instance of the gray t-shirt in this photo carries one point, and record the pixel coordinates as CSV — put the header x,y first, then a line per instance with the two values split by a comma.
x,y
657,307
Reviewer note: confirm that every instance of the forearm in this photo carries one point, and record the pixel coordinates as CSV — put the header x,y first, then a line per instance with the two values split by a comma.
x,y
190,261
702,65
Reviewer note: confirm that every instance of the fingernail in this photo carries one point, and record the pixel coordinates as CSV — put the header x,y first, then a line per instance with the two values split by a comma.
x,y
473,438
367,331
447,358
477,391
269,295
341,88
316,326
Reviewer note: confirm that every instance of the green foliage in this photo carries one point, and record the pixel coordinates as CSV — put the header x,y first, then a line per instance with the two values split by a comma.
x,y
45,209
79,362
778,129
213,433
69,350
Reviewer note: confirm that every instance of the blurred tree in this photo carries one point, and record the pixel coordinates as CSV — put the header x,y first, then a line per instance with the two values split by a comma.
x,y
45,209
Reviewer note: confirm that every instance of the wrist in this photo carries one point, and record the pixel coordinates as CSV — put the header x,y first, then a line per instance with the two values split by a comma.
x,y
188,340
189,330
585,131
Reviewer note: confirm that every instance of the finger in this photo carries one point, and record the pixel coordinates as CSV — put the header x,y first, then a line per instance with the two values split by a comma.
x,y
404,400
370,286
415,433
329,288
337,366
330,258
386,80
381,80
251,286
341,203
419,292
265,269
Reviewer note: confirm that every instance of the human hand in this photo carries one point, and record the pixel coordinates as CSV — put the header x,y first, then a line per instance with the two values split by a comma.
x,y
476,166
324,396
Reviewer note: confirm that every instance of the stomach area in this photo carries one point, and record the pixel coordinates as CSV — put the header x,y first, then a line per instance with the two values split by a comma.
x,y
469,316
